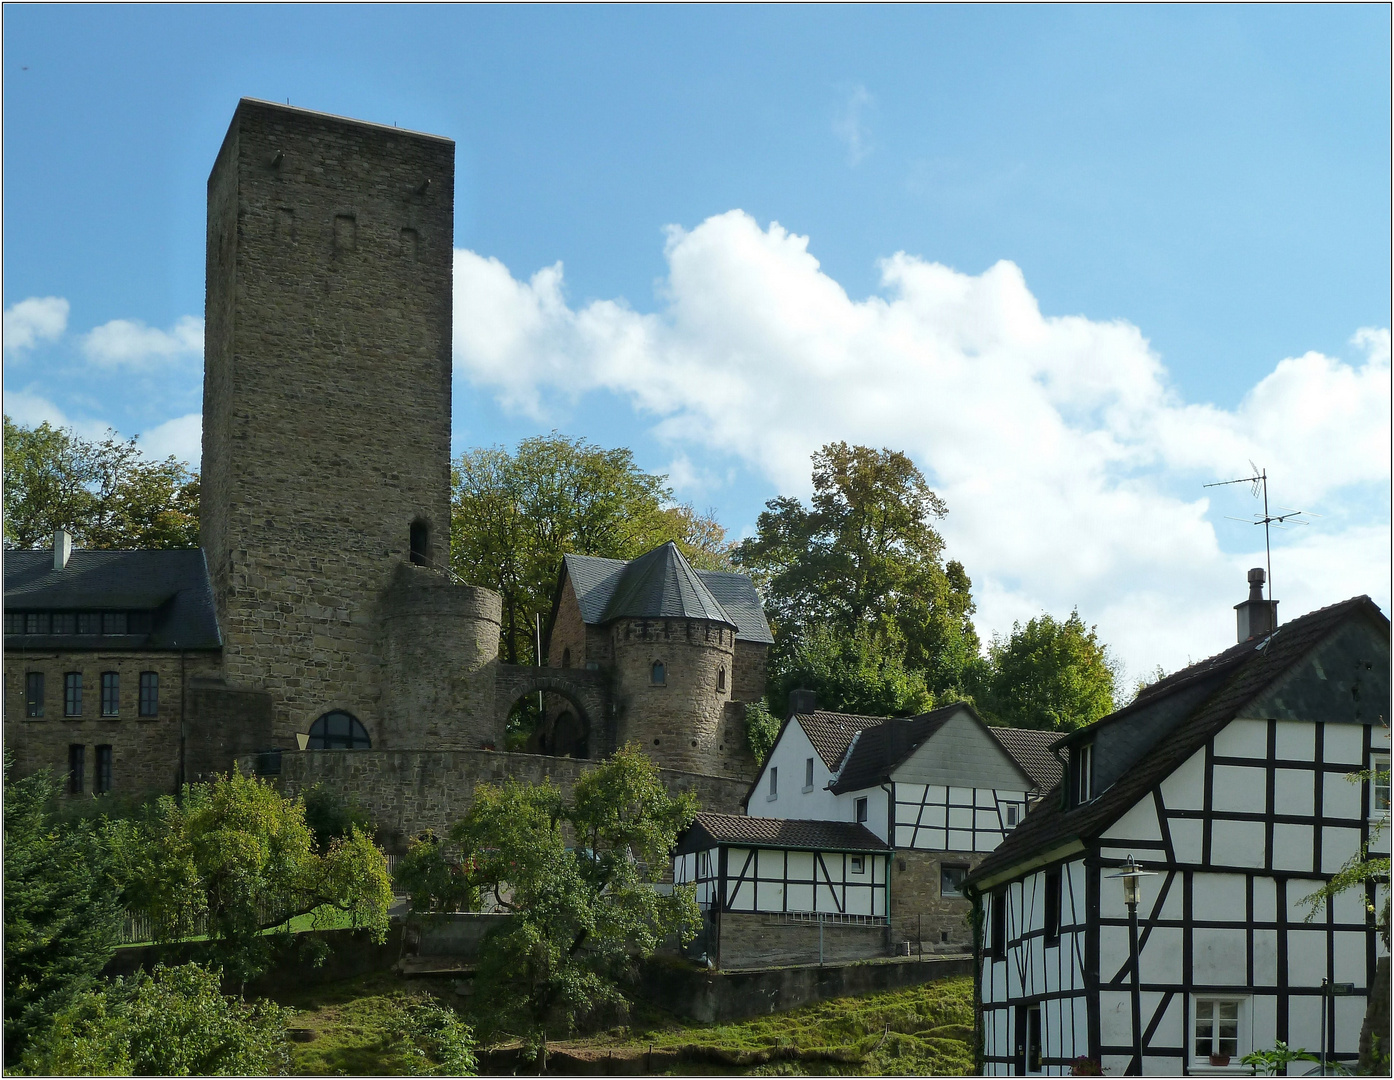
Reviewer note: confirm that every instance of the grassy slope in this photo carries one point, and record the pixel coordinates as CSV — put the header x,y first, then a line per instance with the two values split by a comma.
x,y
925,1030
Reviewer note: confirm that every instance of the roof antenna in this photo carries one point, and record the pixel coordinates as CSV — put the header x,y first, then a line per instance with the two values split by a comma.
x,y
1259,480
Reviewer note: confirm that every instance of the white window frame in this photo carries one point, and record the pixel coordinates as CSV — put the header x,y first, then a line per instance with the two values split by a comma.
x,y
1013,815
774,784
858,864
1039,1070
808,774
1379,806
861,809
1084,778
1243,1032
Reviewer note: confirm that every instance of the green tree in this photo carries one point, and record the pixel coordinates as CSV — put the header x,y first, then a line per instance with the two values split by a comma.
x,y
433,1039
435,879
514,515
580,878
761,729
107,494
233,858
175,1022
854,673
1048,674
864,563
61,917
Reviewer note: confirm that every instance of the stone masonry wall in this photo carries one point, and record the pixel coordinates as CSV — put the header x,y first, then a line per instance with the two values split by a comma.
x,y
145,750
919,911
678,724
752,670
751,940
326,395
566,644
410,791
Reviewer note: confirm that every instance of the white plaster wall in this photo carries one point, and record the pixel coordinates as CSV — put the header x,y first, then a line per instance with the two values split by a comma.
x,y
790,755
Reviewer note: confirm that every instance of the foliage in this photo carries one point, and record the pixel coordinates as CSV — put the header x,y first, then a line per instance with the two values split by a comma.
x,y
1360,869
434,879
235,857
332,816
761,729
174,1023
61,919
581,913
434,1039
853,673
515,514
1272,1062
107,494
1048,674
865,558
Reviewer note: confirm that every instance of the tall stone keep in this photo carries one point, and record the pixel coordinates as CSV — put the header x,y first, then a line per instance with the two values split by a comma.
x,y
326,432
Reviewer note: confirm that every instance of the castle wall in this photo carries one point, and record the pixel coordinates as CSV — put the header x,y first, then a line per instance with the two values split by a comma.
x,y
410,791
145,749
752,670
326,395
678,724
566,645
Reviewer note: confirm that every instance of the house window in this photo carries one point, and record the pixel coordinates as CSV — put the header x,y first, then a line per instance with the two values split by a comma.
x,y
1012,811
1082,766
1217,1030
76,768
1033,1039
33,693
658,675
89,622
859,864
999,924
72,693
1379,785
721,678
113,622
951,880
36,622
149,693
808,774
103,776
111,693
1053,896
64,622
861,808
774,784
338,730
14,622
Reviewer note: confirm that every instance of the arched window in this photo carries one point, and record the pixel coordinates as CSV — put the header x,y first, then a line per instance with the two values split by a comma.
x,y
420,543
721,678
338,730
658,676
566,658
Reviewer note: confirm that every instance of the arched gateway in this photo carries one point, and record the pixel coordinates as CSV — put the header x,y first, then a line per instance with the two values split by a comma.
x,y
580,730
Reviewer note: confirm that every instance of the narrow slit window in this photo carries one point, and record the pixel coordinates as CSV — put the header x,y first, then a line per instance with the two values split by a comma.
x,y
420,543
721,678
34,694
102,779
999,925
658,674
808,774
77,767
1053,896
774,783
863,808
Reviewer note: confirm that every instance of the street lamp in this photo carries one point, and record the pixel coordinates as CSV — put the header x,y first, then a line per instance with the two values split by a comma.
x,y
1329,990
1132,875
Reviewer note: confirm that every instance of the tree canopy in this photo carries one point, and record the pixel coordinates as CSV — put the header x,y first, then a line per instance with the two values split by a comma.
x,y
107,494
1049,674
514,514
864,608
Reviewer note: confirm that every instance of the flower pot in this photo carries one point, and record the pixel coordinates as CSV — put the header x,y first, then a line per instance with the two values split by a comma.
x,y
1219,1060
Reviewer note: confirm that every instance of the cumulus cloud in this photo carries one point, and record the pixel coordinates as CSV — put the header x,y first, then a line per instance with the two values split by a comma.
x,y
849,124
181,437
1071,466
39,318
130,343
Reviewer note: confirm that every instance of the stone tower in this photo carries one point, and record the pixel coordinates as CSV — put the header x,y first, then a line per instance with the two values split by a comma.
x,y
326,430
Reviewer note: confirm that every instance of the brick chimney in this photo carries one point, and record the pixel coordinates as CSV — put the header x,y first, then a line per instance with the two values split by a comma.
x,y
62,548
802,702
1256,617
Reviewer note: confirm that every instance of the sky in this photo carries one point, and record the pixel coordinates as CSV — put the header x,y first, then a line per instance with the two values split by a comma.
x,y
1077,262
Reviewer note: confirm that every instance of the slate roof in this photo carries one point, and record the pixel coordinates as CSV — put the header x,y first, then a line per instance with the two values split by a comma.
x,y
832,732
1247,670
876,751
710,830
663,583
172,584
1031,750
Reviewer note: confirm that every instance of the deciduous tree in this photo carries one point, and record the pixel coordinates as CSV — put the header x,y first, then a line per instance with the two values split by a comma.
x,y
1049,674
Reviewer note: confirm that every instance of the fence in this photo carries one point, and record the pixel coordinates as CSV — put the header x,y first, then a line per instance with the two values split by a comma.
x,y
140,926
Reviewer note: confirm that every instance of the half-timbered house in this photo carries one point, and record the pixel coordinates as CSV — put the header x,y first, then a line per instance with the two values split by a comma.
x,y
1230,782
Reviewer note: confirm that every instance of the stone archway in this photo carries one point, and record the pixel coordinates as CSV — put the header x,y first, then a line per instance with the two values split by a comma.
x,y
580,728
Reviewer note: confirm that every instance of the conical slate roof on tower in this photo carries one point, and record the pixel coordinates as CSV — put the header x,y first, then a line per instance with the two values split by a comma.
x,y
663,584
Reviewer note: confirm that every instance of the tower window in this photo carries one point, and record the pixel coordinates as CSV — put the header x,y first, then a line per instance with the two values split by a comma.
x,y
77,767
72,693
566,658
102,779
420,543
111,693
34,693
658,675
338,730
149,693
721,678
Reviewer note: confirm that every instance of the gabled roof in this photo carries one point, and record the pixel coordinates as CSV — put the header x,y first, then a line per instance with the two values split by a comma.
x,y
832,732
1031,750
712,830
173,584
661,584
877,751
1243,672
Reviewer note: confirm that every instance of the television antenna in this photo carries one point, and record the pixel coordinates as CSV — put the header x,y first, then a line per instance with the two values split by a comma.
x,y
1268,520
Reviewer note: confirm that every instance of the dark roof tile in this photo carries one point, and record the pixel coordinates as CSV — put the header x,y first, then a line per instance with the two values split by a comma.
x,y
1031,750
708,829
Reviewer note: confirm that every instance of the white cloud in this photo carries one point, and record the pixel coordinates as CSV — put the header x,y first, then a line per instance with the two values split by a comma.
x,y
1071,467
30,408
39,318
130,343
850,127
181,437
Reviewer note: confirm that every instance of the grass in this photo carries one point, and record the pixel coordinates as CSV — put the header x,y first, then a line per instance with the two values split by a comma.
x,y
923,1030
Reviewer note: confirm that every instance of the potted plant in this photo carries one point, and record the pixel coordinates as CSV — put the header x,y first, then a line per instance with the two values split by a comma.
x,y
1219,1060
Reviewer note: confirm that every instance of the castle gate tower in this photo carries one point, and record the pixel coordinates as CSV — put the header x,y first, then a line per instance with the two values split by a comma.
x,y
326,431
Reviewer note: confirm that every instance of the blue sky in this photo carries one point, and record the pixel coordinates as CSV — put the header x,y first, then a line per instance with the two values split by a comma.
x,y
1075,260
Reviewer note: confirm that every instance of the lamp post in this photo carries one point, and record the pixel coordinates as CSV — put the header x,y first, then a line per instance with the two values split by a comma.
x,y
1132,875
1329,990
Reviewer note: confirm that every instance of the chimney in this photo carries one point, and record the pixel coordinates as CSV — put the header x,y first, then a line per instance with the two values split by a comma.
x,y
1256,616
62,548
802,702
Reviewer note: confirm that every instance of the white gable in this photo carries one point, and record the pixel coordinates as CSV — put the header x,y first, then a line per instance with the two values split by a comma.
x,y
963,754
